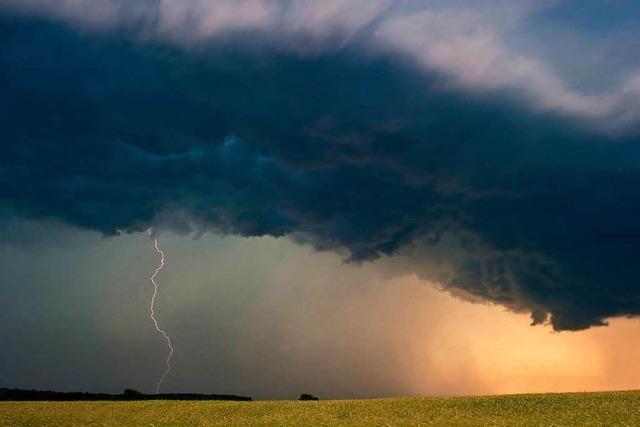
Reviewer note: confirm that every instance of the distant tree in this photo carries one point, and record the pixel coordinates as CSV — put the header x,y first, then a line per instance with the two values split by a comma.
x,y
306,396
131,393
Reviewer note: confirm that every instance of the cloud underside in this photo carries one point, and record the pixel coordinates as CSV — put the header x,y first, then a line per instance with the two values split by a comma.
x,y
370,154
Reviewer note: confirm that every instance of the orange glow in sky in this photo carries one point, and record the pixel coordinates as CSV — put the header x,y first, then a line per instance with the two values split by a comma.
x,y
499,352
345,330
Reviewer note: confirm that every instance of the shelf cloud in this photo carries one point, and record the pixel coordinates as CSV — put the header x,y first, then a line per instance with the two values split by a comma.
x,y
431,135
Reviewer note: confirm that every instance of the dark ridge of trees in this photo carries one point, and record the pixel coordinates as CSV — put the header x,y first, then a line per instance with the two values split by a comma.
x,y
128,394
306,396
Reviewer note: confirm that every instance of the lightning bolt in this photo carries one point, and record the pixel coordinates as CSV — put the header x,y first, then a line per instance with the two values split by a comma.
x,y
152,310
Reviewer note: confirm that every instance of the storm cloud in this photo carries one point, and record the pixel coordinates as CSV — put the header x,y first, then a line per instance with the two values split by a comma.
x,y
524,193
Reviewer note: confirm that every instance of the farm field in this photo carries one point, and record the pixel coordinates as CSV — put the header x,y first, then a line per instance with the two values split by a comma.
x,y
598,409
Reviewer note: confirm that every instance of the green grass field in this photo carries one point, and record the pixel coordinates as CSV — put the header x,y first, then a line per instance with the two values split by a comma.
x,y
603,409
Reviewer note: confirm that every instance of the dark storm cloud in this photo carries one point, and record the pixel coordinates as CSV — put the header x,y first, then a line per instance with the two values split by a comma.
x,y
343,149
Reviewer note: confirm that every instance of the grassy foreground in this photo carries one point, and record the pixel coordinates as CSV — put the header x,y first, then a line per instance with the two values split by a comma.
x,y
603,409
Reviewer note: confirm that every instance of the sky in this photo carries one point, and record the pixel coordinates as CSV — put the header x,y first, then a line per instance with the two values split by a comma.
x,y
356,198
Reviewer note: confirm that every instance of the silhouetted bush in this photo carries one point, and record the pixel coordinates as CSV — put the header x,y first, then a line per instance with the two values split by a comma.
x,y
306,396
131,393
